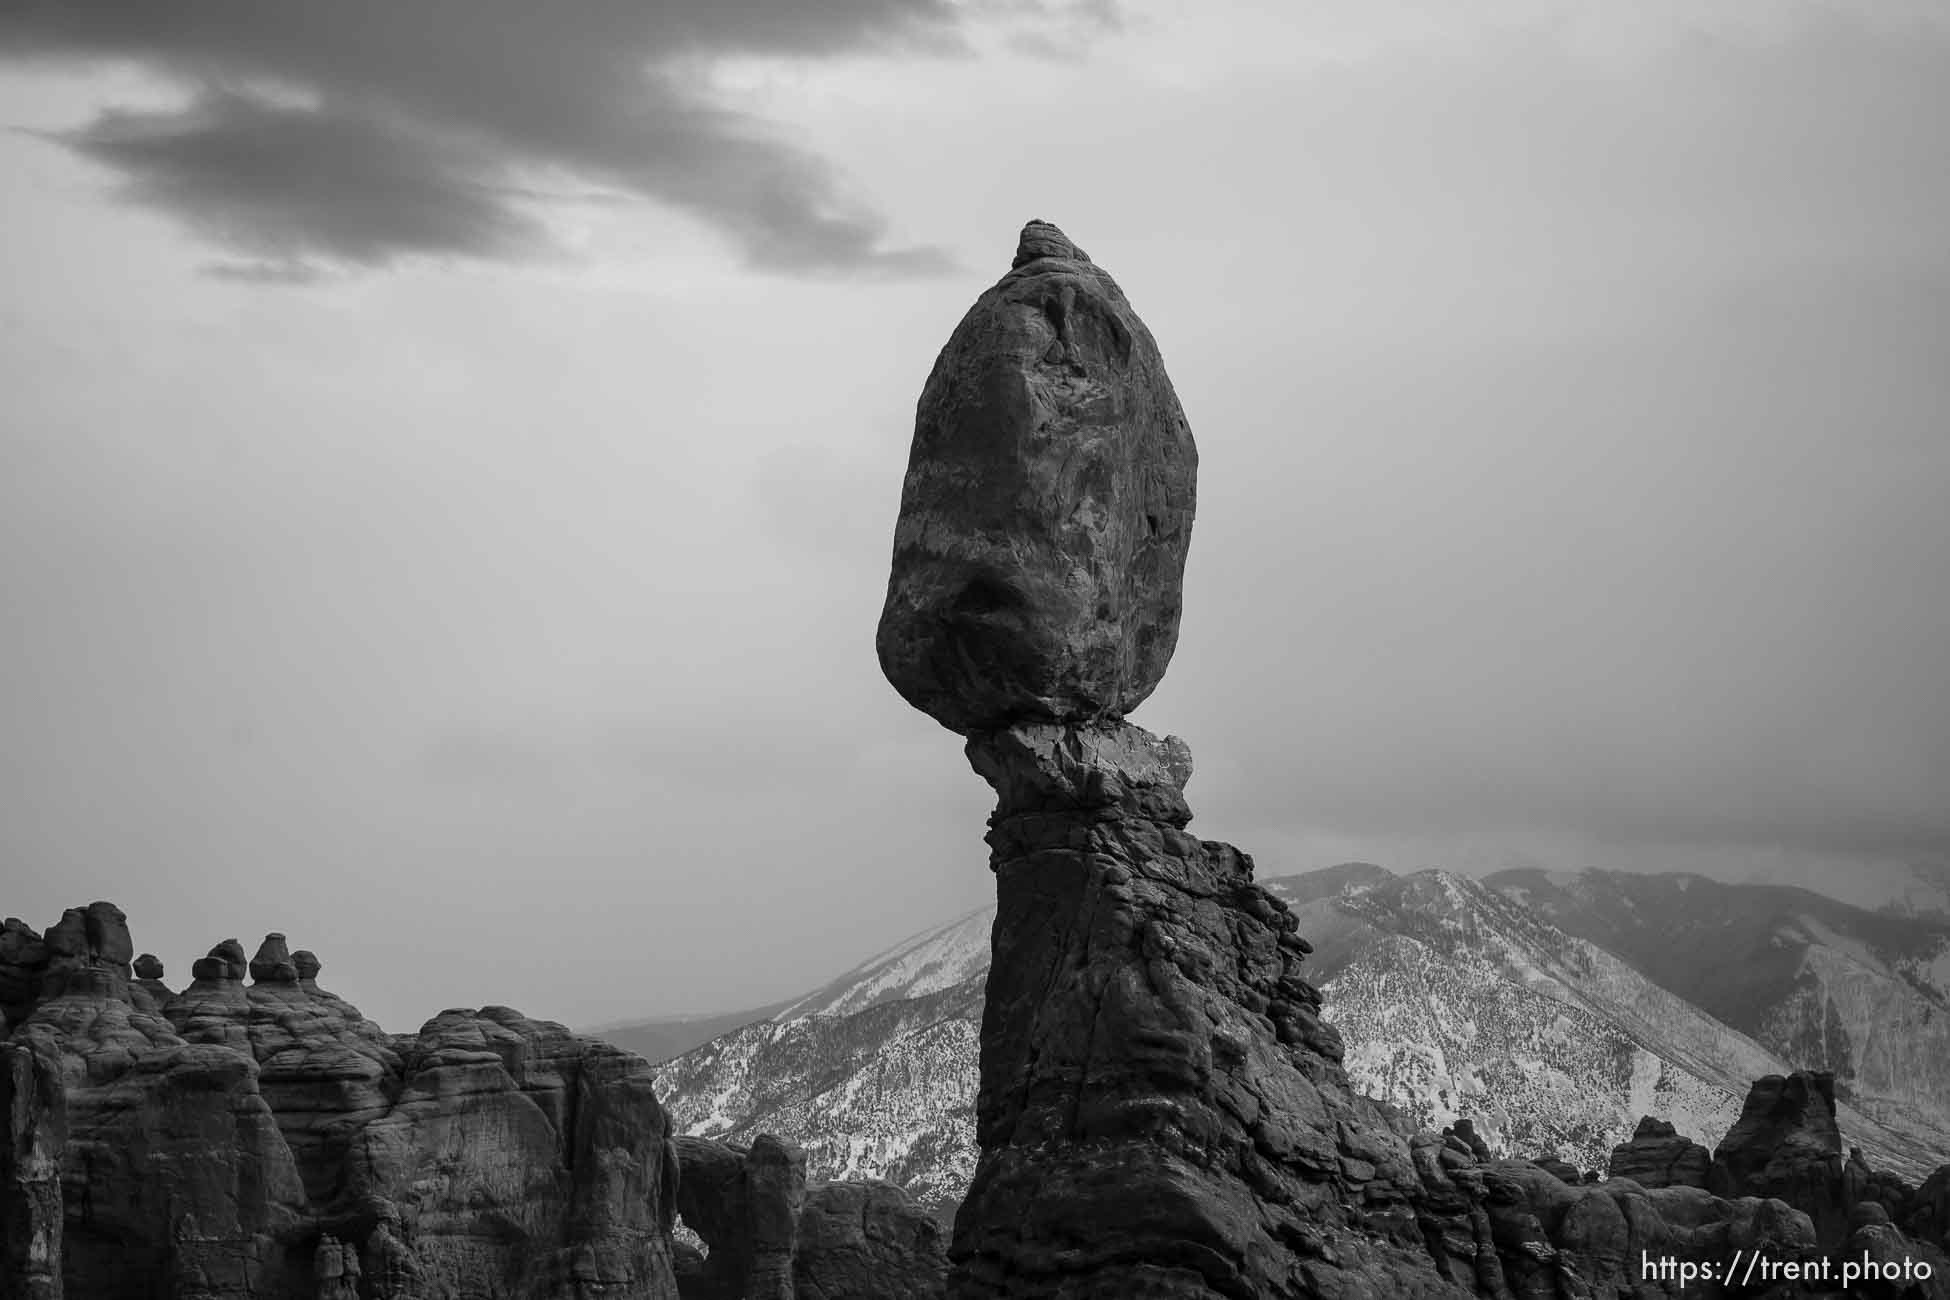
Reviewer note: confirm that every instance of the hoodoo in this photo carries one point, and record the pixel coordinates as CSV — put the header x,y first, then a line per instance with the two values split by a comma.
x,y
1162,1111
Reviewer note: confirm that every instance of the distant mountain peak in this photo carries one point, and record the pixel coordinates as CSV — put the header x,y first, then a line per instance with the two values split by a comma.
x,y
1458,996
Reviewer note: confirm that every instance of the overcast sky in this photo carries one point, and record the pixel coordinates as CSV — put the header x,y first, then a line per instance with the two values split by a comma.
x,y
451,450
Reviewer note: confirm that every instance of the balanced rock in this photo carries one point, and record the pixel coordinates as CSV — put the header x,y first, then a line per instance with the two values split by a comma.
x,y
1658,1155
273,963
1047,508
148,992
225,964
1162,1112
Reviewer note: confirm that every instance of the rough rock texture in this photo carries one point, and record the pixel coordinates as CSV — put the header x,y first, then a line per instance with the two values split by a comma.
x,y
1162,1113
868,1241
148,992
1659,1156
273,964
1786,1146
1927,1216
35,1113
1047,507
23,960
770,1237
265,1141
744,1202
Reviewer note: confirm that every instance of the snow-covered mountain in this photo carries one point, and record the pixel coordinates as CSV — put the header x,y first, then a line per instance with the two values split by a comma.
x,y
1828,986
1454,997
874,1074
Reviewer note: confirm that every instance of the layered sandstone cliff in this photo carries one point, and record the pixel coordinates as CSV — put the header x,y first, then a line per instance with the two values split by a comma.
x,y
254,1136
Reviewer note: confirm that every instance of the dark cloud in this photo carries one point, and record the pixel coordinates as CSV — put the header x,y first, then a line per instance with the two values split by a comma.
x,y
294,184
391,130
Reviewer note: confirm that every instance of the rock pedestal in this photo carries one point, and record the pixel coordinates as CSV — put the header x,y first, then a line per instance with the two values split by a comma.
x,y
1162,1111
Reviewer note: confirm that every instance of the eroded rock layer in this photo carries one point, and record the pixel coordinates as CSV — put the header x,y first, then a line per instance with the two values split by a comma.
x,y
1162,1111
1047,507
265,1141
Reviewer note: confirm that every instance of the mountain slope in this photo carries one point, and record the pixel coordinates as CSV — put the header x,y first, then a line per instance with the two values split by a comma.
x,y
886,1090
658,1040
1812,980
1454,999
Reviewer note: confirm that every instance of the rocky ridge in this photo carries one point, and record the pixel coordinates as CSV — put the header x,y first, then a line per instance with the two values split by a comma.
x,y
254,1137
264,1140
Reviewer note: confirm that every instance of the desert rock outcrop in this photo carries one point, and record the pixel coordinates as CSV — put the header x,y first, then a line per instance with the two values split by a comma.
x,y
1658,1155
868,1241
264,1141
770,1236
1162,1112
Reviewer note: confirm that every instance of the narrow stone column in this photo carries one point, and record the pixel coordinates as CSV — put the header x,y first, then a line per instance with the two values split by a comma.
x,y
34,1106
1161,1111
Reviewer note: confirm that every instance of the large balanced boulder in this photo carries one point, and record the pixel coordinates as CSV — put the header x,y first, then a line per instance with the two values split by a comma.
x,y
1162,1111
1047,508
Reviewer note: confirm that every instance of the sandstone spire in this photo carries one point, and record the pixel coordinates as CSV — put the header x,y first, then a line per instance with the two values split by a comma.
x,y
1162,1111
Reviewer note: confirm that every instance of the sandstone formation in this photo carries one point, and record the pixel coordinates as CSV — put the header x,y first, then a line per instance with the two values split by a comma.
x,y
1658,1155
1162,1112
868,1241
32,1102
1047,506
1786,1145
745,1204
264,1141
768,1236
